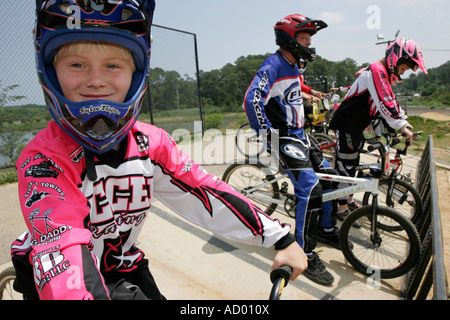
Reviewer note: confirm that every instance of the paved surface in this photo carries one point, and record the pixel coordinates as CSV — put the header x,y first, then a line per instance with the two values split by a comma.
x,y
190,263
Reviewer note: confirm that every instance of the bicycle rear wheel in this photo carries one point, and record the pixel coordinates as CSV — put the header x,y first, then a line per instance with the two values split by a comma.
x,y
403,197
243,177
248,142
326,144
392,253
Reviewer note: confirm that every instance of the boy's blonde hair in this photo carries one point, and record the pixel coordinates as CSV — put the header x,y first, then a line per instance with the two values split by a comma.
x,y
99,46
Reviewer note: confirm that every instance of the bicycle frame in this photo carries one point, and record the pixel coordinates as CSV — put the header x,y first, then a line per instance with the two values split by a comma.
x,y
378,222
394,163
328,146
358,185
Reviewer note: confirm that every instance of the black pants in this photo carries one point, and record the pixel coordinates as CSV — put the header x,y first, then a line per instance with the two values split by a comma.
x,y
348,151
138,284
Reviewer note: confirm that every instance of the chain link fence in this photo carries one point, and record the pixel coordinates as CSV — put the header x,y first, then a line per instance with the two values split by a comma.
x,y
174,87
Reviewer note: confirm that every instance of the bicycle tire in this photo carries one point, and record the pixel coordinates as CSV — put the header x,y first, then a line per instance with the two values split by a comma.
x,y
248,142
397,252
323,140
405,200
241,177
7,278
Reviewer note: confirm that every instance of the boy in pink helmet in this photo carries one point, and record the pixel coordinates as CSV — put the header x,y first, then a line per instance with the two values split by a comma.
x,y
371,97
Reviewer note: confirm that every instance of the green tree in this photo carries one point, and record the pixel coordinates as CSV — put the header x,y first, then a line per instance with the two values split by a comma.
x,y
5,97
12,141
12,144
224,89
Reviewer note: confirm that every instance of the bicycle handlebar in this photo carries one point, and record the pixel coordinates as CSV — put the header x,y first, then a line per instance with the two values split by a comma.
x,y
384,149
280,279
376,145
407,142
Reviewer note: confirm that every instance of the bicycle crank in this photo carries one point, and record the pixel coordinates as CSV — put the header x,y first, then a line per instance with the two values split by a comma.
x,y
290,205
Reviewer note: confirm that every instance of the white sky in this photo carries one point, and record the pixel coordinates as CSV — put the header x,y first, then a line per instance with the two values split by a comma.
x,y
229,29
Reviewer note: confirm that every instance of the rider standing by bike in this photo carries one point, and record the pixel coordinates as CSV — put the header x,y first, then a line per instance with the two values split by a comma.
x,y
371,97
273,103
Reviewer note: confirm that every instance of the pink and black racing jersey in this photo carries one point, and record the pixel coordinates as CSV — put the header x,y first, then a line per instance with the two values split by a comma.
x,y
78,229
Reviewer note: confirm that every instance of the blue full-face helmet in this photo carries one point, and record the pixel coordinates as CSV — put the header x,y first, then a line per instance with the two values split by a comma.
x,y
123,22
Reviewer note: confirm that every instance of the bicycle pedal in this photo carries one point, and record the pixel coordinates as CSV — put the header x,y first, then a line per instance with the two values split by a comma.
x,y
284,187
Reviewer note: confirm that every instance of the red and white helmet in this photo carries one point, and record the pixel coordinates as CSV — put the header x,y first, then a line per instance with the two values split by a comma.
x,y
286,30
404,51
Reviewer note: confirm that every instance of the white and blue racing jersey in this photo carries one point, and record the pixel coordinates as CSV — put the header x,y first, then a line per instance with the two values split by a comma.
x,y
274,98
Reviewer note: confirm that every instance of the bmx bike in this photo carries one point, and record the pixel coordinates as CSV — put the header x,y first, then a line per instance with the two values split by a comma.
x,y
386,240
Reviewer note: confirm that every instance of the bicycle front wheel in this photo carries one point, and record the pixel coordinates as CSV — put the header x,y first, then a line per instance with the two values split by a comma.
x,y
7,291
244,177
402,197
391,253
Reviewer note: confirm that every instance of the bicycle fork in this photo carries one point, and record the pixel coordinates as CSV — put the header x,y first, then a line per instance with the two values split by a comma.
x,y
374,236
390,190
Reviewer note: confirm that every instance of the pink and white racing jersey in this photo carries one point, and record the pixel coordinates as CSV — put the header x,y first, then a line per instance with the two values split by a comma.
x,y
78,230
369,98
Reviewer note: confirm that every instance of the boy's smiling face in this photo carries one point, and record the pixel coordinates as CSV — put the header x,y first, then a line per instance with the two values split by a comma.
x,y
93,73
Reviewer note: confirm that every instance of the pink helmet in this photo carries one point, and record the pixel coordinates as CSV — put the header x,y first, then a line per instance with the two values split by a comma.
x,y
404,51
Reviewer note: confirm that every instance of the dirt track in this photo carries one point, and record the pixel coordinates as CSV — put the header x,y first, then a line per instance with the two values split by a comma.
x,y
345,287
435,116
428,112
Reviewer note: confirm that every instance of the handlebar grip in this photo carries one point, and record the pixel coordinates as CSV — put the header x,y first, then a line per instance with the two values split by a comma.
x,y
410,129
374,146
283,271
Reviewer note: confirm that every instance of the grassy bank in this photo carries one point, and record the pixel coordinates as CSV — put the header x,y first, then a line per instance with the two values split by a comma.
x,y
439,129
8,175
